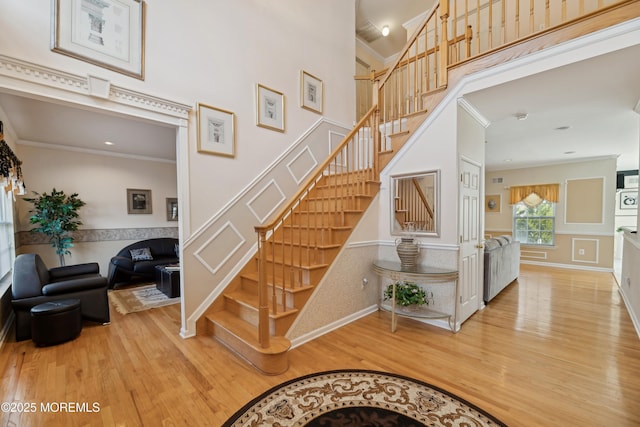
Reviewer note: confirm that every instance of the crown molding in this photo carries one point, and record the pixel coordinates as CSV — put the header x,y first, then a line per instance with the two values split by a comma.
x,y
40,75
473,112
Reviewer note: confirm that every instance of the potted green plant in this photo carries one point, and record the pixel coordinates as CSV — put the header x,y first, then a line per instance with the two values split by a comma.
x,y
408,294
57,215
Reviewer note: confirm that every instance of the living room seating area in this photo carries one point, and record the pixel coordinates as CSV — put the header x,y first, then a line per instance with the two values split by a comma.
x,y
138,261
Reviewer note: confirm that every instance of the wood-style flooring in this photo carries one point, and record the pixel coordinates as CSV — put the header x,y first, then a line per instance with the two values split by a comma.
x,y
556,348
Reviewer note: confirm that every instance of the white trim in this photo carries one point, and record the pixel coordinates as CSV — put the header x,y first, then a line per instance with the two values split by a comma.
x,y
473,112
573,250
33,74
274,205
296,342
568,266
210,240
629,307
308,151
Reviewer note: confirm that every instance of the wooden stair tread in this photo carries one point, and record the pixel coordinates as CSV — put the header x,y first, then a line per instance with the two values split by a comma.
x,y
246,332
253,276
252,300
288,243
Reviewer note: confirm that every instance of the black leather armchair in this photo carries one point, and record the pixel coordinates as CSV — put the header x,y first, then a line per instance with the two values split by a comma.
x,y
33,284
123,268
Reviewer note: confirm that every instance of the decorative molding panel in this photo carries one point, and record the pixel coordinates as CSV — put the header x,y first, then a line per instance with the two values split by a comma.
x,y
533,254
219,248
302,165
266,201
585,250
32,73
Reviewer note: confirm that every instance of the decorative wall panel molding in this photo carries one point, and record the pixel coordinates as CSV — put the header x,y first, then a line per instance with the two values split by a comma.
x,y
219,247
266,201
302,165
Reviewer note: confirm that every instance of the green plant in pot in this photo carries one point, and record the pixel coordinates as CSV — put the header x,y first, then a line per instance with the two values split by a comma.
x,y
408,294
57,215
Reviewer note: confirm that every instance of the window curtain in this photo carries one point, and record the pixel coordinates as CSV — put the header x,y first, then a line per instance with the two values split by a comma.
x,y
548,192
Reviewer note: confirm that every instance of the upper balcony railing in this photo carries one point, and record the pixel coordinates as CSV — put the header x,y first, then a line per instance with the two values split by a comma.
x,y
456,31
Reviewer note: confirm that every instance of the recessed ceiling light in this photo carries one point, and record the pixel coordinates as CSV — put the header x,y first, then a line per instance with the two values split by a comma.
x,y
385,31
109,143
507,160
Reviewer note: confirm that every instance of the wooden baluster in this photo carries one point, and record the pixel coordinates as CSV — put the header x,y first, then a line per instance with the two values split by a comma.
x,y
263,298
503,22
444,43
531,20
547,15
517,29
478,35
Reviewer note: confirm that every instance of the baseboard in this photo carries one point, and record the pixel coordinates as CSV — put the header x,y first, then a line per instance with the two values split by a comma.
x,y
568,266
6,328
310,336
632,314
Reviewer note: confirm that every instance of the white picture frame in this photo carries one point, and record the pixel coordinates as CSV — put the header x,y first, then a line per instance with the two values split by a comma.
x,y
107,33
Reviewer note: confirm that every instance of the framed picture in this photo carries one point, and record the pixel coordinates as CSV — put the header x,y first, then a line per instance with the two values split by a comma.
x,y
492,203
138,201
108,33
631,181
628,199
216,131
311,92
172,209
270,108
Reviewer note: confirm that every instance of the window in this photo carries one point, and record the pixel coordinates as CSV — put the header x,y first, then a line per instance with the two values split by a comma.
x,y
534,225
6,233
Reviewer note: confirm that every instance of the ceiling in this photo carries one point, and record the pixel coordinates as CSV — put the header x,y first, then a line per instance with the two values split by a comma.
x,y
595,104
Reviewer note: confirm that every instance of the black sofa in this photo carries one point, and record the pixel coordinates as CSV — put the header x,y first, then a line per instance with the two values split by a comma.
x,y
138,261
33,284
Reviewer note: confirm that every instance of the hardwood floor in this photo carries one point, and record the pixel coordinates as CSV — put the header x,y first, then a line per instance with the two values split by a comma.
x,y
556,349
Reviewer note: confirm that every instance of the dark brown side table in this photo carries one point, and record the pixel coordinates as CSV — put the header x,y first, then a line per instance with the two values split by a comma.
x,y
168,280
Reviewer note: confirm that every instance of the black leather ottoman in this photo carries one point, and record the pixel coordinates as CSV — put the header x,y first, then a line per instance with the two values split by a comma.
x,y
55,322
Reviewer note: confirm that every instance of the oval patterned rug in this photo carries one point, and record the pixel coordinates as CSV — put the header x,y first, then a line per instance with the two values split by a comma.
x,y
359,398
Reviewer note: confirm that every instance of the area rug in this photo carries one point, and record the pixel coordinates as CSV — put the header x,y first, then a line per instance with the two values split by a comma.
x,y
359,398
139,298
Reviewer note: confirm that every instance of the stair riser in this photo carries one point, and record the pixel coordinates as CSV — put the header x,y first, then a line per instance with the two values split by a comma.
x,y
277,326
293,255
270,364
360,188
320,236
334,205
325,219
295,277
294,299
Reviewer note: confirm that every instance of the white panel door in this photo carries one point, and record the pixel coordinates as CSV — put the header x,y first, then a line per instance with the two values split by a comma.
x,y
470,281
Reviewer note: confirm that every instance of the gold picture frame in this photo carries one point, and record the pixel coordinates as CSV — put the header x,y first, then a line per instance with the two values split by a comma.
x,y
269,108
493,203
216,131
311,92
109,34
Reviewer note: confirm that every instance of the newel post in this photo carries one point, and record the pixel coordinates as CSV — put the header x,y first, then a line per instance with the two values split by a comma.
x,y
375,131
444,43
263,292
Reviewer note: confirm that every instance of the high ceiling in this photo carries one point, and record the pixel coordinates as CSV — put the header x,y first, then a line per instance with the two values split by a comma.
x,y
594,98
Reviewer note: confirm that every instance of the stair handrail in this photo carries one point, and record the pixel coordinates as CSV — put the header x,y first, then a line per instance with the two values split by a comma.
x,y
268,303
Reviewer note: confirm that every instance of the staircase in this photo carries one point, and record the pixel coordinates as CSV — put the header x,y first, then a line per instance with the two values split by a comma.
x,y
296,248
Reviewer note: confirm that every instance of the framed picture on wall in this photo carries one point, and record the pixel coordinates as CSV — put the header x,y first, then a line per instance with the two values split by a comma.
x,y
628,199
492,203
108,33
216,131
138,201
172,209
270,108
311,92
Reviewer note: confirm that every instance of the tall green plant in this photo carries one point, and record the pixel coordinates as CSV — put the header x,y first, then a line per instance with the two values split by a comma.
x,y
57,215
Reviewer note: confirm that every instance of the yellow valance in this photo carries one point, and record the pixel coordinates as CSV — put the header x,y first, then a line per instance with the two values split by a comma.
x,y
549,192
